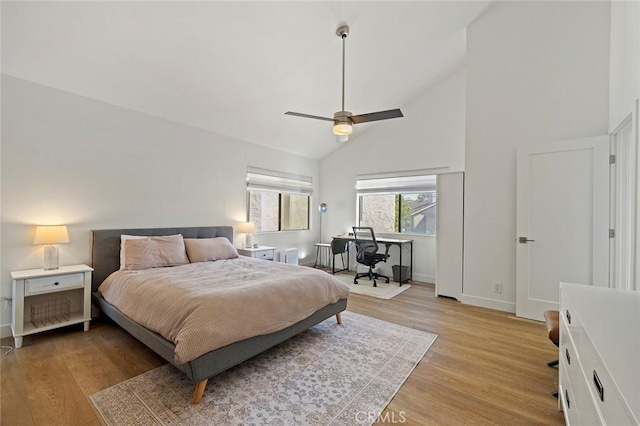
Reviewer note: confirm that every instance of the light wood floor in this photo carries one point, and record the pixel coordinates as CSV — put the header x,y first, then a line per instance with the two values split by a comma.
x,y
485,368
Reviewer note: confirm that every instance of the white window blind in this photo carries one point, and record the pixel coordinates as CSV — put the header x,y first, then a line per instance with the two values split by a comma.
x,y
270,180
398,182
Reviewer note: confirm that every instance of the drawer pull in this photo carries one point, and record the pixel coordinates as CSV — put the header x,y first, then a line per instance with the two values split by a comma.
x,y
566,354
598,385
568,317
566,397
56,283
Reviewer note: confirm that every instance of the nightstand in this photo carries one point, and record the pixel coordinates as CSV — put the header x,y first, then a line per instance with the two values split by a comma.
x,y
48,299
261,252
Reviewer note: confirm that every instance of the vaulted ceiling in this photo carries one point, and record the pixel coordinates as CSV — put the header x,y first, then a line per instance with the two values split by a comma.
x,y
235,67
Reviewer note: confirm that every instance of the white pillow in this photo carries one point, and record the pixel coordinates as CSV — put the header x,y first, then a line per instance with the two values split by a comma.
x,y
123,238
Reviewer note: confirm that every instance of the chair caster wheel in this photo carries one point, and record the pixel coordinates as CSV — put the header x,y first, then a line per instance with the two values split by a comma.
x,y
355,281
375,284
387,281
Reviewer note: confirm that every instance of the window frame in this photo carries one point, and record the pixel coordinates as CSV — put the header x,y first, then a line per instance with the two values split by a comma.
x,y
269,181
397,184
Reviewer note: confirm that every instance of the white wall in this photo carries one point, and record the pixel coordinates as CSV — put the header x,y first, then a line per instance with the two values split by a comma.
x,y
624,81
537,72
72,160
430,135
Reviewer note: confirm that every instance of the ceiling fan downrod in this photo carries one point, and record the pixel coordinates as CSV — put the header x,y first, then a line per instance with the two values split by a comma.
x,y
343,32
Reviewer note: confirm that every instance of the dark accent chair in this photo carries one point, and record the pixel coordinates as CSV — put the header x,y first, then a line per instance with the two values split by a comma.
x,y
367,253
339,247
552,321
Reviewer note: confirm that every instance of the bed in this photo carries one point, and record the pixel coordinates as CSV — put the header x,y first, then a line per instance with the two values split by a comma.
x,y
105,255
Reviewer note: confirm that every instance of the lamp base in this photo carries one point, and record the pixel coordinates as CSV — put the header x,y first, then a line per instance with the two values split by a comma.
x,y
51,257
248,241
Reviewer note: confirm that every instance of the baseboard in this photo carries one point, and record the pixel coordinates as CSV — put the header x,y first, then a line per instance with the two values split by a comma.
x,y
482,302
5,331
424,278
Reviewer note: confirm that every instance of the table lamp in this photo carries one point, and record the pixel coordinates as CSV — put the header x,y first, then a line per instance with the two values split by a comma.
x,y
51,236
248,228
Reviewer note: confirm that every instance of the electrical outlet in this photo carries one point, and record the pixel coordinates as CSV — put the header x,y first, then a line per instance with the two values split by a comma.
x,y
497,287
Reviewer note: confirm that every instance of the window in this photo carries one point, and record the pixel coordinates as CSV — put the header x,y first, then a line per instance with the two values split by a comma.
x,y
398,203
278,201
294,212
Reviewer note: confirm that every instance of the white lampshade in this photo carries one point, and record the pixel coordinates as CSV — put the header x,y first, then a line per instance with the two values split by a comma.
x,y
246,227
51,235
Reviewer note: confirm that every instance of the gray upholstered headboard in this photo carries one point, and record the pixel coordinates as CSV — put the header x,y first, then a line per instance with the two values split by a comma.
x,y
105,245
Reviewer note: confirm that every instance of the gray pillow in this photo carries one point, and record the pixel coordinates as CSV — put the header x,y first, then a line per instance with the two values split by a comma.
x,y
209,249
155,252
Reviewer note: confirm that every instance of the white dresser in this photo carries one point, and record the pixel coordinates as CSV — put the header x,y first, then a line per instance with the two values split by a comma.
x,y
599,368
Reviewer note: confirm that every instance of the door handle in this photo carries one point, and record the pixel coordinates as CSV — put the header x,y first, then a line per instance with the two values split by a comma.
x,y
523,240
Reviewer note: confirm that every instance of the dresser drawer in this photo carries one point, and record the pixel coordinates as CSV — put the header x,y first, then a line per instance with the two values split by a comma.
x,y
568,355
50,284
567,398
604,394
572,323
588,413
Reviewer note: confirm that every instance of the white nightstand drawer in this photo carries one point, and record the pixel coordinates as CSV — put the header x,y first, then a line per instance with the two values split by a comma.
x,y
53,283
264,254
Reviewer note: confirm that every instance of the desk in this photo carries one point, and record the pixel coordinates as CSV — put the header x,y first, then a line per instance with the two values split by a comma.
x,y
387,241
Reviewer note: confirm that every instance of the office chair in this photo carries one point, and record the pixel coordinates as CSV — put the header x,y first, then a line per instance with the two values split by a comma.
x,y
367,253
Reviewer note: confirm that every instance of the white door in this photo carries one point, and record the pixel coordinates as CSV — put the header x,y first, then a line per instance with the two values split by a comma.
x,y
623,207
562,221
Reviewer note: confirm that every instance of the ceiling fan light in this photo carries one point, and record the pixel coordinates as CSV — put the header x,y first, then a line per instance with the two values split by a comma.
x,y
342,128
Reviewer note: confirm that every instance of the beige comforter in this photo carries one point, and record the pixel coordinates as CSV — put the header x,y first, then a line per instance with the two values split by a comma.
x,y
204,306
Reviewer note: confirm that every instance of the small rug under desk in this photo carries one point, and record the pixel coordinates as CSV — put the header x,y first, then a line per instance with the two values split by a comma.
x,y
365,286
328,375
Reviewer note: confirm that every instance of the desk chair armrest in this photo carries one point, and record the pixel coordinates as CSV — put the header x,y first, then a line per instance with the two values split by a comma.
x,y
386,251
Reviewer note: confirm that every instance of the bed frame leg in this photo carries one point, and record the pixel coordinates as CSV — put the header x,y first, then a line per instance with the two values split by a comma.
x,y
339,317
197,394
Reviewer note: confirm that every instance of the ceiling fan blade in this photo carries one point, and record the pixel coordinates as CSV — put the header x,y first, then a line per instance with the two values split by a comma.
x,y
298,114
376,116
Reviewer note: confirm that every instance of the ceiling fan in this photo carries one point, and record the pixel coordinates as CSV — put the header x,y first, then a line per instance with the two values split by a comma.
x,y
343,121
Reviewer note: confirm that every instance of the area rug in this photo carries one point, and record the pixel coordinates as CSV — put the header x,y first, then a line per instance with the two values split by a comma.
x,y
329,375
365,286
